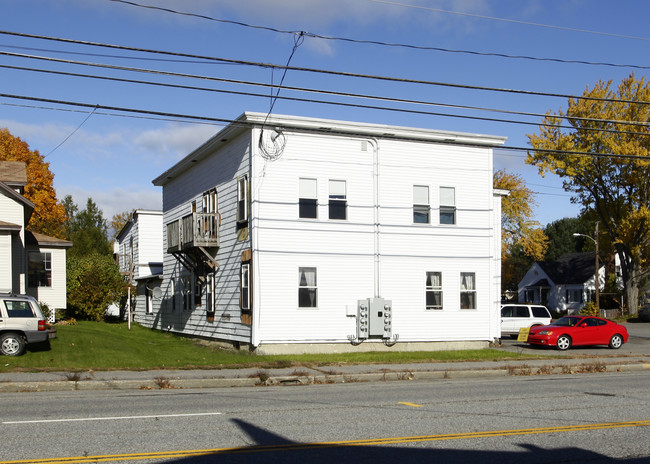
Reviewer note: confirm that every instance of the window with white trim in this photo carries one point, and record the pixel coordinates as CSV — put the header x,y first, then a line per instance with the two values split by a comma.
x,y
447,205
148,300
308,198
245,287
420,204
467,290
307,288
434,290
338,203
39,269
242,199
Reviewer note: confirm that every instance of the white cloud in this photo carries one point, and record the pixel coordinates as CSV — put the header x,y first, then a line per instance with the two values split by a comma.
x,y
116,200
175,139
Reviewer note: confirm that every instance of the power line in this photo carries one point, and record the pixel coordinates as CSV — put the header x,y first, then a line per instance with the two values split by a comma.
x,y
320,91
397,45
323,71
515,21
325,131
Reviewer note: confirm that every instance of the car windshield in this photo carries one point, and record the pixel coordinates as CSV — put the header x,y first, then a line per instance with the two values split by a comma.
x,y
567,321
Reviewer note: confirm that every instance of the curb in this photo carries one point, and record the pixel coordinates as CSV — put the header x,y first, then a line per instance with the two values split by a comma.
x,y
161,383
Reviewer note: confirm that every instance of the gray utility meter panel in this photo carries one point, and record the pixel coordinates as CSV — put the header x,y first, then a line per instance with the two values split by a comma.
x,y
374,318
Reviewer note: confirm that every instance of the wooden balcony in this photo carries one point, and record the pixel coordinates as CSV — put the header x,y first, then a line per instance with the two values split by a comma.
x,y
193,231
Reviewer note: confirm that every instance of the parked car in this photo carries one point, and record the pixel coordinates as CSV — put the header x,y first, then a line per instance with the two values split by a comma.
x,y
579,331
21,322
518,316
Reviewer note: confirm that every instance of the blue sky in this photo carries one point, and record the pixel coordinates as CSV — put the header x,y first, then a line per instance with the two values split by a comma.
x,y
113,158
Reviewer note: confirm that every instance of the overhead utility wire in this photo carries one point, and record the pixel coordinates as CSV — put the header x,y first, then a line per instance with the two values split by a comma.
x,y
325,131
380,43
293,88
525,23
320,71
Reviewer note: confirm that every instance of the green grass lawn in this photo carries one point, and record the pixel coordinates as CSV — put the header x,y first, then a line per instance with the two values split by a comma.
x,y
107,346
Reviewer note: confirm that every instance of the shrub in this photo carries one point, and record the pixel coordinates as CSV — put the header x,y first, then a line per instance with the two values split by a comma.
x,y
94,282
590,309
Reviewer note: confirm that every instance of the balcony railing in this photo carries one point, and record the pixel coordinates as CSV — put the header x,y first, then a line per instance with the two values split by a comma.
x,y
193,230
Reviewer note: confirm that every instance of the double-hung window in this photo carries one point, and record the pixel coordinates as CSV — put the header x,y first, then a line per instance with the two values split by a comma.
x,y
467,290
39,269
245,284
307,288
420,204
308,199
447,205
434,290
242,199
338,203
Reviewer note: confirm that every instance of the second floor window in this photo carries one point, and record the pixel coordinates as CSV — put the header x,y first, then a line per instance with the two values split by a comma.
x,y
420,204
338,203
447,205
308,199
242,199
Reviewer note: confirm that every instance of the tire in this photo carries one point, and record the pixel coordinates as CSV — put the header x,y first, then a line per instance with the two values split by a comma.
x,y
563,342
616,342
12,344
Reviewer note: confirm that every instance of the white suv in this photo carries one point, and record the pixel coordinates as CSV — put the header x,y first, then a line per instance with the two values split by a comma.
x,y
21,322
518,315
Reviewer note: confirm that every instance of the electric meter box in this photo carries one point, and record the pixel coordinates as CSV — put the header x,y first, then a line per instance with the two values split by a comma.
x,y
374,318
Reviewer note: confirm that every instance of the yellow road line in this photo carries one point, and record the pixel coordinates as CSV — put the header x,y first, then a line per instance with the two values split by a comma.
x,y
331,444
413,405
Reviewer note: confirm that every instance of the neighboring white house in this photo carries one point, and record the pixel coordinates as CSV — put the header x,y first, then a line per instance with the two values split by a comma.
x,y
139,249
563,285
289,234
35,264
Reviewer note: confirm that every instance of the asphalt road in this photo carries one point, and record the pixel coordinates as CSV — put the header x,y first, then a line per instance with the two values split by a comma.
x,y
594,418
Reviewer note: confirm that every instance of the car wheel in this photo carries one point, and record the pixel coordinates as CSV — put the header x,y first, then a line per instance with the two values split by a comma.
x,y
563,342
12,344
616,342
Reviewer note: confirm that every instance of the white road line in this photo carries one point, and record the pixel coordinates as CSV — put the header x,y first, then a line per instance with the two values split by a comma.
x,y
82,419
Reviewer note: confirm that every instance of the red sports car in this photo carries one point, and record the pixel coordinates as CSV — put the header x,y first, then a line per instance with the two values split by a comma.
x,y
578,330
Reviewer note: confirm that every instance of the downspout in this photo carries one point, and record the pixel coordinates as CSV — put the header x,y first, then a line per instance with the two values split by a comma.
x,y
377,224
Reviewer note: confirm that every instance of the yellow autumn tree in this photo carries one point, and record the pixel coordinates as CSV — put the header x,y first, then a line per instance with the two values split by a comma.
x,y
523,240
49,215
600,147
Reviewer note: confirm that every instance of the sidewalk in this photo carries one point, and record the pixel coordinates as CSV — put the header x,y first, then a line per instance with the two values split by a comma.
x,y
248,377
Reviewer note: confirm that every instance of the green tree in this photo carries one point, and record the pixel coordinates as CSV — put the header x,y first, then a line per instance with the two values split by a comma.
x,y
523,240
616,188
49,215
86,229
93,283
560,237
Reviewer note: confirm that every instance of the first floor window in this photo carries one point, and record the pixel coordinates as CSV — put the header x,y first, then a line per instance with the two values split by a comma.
x,y
420,204
245,287
39,269
467,290
307,288
148,300
434,290
447,205
308,199
338,203
574,296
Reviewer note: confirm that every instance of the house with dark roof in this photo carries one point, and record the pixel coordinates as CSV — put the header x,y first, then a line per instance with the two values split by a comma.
x,y
563,285
35,263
